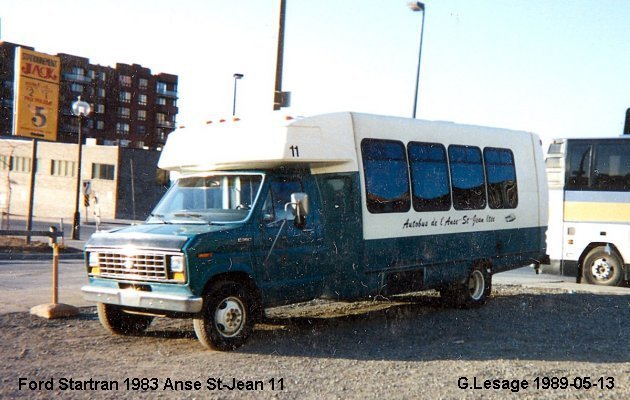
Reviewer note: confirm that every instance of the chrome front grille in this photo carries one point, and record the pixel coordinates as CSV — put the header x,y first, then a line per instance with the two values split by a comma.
x,y
136,265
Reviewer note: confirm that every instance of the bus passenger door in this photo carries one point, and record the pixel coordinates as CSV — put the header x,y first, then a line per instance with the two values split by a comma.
x,y
287,255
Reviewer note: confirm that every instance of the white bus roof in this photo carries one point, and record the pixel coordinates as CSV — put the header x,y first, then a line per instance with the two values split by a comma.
x,y
323,143
262,143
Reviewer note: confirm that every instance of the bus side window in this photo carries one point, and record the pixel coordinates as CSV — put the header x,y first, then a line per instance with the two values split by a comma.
x,y
579,173
501,174
429,176
611,171
338,197
467,177
386,176
281,195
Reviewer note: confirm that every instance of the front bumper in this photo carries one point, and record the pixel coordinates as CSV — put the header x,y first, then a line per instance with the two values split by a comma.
x,y
141,299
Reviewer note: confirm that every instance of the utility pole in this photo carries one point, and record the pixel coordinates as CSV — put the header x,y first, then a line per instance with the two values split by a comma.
x,y
280,98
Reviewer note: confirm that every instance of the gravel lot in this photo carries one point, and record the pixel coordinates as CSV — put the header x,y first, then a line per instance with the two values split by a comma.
x,y
408,348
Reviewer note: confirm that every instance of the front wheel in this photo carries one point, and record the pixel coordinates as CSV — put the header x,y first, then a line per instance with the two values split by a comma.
x,y
118,322
602,266
474,292
226,318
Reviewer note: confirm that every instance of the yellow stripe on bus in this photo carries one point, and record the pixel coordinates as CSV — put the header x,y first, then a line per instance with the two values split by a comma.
x,y
596,212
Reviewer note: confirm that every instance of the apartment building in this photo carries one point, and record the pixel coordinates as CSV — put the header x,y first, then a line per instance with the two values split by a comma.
x,y
131,107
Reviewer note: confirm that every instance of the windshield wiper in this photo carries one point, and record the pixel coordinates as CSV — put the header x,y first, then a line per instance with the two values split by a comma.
x,y
195,216
160,218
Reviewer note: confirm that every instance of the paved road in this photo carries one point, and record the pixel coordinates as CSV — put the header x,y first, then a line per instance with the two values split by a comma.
x,y
27,283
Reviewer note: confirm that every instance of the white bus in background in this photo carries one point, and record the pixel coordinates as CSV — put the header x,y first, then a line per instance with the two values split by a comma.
x,y
589,209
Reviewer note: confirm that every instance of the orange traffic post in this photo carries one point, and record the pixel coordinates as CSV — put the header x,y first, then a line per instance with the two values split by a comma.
x,y
55,309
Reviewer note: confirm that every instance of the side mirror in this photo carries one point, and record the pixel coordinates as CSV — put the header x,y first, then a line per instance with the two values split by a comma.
x,y
299,205
299,208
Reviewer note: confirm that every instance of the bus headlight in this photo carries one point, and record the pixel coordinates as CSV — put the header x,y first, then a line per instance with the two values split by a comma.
x,y
93,259
177,264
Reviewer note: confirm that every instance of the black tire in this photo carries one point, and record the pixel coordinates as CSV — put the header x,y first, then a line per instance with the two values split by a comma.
x,y
474,292
602,267
226,319
118,322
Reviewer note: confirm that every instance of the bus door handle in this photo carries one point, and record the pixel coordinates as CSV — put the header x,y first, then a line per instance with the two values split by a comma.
x,y
307,236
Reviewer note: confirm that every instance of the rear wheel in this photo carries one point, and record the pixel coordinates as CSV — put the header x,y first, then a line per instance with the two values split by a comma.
x,y
474,292
226,319
602,267
118,322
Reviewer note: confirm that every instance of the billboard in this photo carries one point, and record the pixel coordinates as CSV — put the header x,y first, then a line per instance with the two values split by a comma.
x,y
36,94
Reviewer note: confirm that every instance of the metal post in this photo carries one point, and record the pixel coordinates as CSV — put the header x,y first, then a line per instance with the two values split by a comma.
x,y
77,214
133,190
55,280
418,6
277,94
31,195
236,78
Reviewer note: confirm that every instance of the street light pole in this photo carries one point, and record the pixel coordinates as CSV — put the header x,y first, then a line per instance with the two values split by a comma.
x,y
79,108
417,6
236,78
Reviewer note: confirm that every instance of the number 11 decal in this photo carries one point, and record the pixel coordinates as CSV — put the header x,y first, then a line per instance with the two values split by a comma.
x,y
295,152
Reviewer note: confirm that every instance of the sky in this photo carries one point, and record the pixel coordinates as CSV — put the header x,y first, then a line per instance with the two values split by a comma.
x,y
559,68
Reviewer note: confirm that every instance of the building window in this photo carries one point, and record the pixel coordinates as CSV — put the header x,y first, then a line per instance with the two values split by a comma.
x,y
143,83
62,168
20,164
125,97
386,176
161,87
160,101
92,74
501,174
102,76
142,99
5,162
122,128
142,115
100,92
160,118
142,130
76,87
467,178
100,125
78,71
124,80
124,112
429,177
103,171
99,109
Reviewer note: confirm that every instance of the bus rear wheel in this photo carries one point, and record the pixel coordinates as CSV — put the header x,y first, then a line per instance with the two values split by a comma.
x,y
602,266
474,292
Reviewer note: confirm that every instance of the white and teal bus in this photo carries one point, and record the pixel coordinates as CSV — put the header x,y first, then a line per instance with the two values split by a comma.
x,y
342,206
589,209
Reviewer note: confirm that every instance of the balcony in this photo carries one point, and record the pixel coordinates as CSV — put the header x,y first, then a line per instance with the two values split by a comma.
x,y
76,78
166,93
165,124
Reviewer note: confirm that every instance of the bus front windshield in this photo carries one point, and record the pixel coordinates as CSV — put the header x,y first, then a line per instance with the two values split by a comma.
x,y
208,199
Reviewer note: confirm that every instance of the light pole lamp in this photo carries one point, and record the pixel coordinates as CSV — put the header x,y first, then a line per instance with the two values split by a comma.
x,y
80,108
236,78
417,6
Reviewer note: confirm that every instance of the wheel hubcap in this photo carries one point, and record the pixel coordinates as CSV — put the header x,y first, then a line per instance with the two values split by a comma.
x,y
476,285
601,269
229,317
